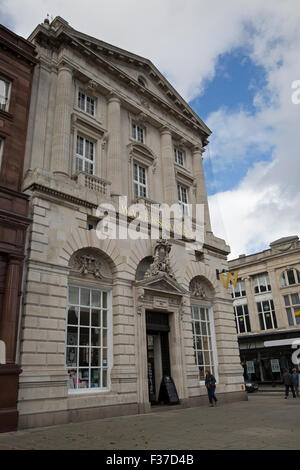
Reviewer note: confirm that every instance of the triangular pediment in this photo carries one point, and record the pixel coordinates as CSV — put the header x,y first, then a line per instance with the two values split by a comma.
x,y
162,282
134,67
127,67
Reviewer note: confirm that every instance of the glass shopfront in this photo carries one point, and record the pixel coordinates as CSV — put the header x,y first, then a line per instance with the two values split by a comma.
x,y
266,364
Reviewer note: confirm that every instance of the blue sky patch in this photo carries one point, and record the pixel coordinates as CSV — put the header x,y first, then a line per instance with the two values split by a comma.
x,y
234,86
236,81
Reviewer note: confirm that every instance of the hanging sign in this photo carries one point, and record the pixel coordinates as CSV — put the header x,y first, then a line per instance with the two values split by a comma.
x,y
230,277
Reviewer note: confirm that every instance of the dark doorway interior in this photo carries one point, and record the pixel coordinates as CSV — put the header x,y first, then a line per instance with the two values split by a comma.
x,y
158,355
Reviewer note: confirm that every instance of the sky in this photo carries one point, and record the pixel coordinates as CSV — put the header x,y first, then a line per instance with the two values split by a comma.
x,y
235,63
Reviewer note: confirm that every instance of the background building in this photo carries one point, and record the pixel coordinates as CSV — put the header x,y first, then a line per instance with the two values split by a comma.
x,y
17,61
104,320
267,308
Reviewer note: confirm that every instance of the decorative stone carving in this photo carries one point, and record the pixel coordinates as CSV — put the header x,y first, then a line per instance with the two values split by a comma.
x,y
104,140
197,289
87,264
140,118
154,165
160,302
140,300
92,85
183,305
161,263
145,103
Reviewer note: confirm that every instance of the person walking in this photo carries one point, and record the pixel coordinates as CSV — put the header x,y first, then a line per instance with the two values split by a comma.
x,y
287,380
210,383
295,381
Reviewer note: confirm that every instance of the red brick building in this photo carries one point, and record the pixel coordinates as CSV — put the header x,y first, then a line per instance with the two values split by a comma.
x,y
17,61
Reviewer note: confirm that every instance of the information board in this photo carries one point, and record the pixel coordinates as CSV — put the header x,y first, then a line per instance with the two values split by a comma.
x,y
275,365
168,392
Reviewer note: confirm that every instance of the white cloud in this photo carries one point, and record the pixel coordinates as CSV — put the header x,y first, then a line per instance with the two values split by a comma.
x,y
182,38
266,203
185,40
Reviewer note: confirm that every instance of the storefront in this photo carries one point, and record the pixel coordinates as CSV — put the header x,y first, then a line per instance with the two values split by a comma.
x,y
263,362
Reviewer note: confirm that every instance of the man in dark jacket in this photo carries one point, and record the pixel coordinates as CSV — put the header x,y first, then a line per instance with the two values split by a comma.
x,y
295,381
210,383
287,380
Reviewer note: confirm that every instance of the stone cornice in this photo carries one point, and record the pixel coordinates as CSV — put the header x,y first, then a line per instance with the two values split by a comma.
x,y
65,34
244,263
13,43
60,195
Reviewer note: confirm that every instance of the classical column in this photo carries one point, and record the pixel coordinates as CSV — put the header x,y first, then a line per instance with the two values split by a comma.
x,y
167,164
114,161
201,195
62,121
10,312
9,372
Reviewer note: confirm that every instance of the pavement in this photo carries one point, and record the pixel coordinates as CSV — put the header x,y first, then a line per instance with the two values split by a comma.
x,y
263,422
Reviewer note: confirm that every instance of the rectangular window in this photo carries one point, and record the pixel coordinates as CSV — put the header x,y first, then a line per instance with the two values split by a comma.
x,y
139,181
203,336
1,150
242,318
138,133
266,314
86,103
239,290
85,155
261,283
292,303
183,199
4,94
179,156
87,338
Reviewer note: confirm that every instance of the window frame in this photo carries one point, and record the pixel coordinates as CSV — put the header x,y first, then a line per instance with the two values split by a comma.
x,y
292,307
142,81
1,150
5,106
135,129
284,279
85,106
262,313
83,157
176,156
213,357
137,183
244,315
240,290
109,346
184,209
256,280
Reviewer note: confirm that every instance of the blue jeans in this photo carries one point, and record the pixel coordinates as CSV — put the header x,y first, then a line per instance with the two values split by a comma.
x,y
211,395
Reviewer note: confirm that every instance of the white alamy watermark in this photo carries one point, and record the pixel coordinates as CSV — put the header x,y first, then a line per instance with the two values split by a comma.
x,y
296,354
296,94
2,352
142,221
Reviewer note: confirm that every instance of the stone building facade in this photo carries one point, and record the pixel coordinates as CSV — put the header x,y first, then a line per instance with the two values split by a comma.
x,y
17,61
105,319
267,309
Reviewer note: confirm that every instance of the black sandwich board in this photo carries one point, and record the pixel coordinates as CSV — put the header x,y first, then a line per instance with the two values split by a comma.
x,y
167,391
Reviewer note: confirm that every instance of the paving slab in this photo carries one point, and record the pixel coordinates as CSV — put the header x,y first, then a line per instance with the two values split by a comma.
x,y
261,423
